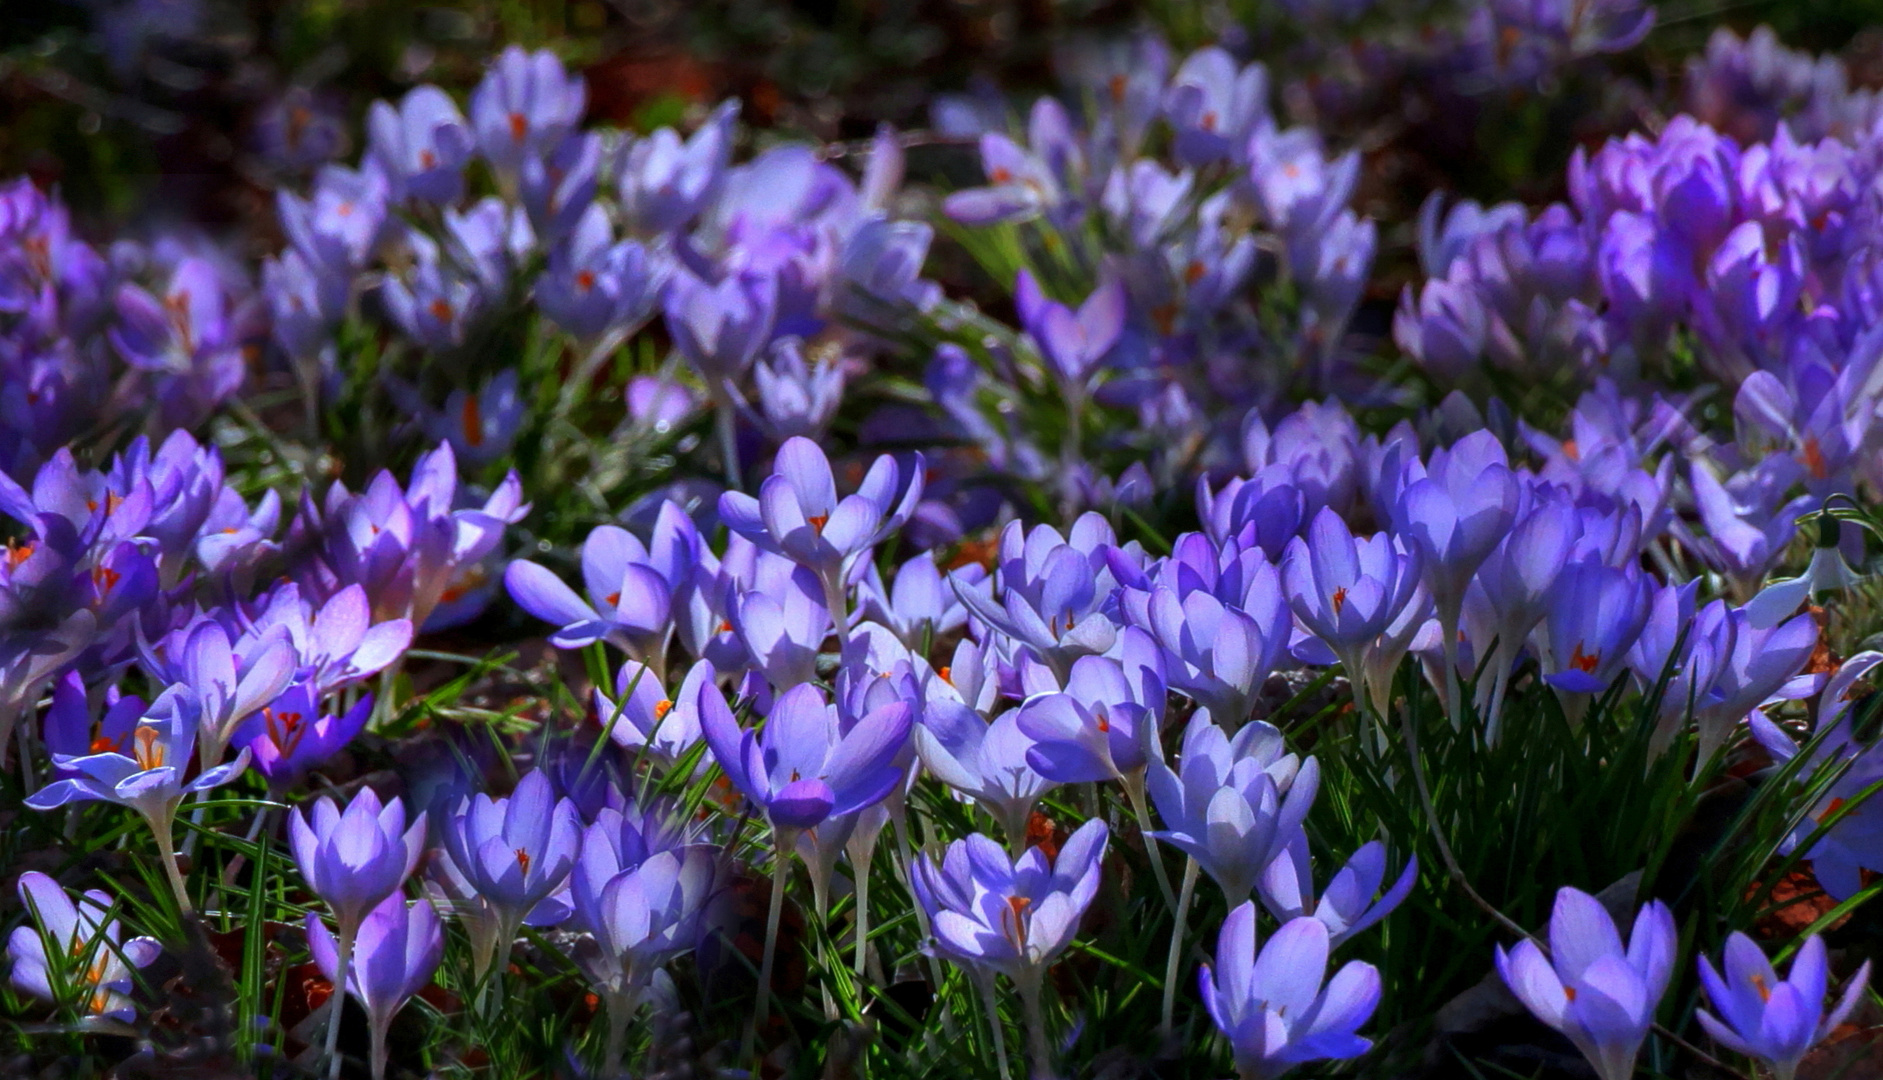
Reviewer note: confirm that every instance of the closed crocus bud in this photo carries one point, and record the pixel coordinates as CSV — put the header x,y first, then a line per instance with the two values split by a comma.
x,y
354,858
1272,1005
1214,106
1598,993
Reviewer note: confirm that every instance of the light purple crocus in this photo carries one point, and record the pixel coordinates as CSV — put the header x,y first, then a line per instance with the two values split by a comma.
x,y
798,514
1599,994
807,765
73,946
1595,614
1773,1020
1214,107
525,105
1351,902
643,917
1052,590
630,586
1348,590
293,735
515,851
1272,1006
595,285
646,720
778,619
354,858
721,327
985,760
1097,726
665,182
395,954
1073,342
1011,916
422,145
1233,805
148,776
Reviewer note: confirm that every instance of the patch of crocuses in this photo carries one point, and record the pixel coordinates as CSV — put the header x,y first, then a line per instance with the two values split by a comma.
x,y
1188,614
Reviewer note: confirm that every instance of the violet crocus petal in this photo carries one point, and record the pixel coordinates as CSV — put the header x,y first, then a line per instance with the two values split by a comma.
x,y
544,595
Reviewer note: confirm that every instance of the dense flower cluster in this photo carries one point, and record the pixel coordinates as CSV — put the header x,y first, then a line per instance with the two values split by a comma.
x,y
932,651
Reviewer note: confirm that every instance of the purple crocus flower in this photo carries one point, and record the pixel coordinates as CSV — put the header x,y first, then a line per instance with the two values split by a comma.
x,y
149,778
918,605
1236,803
665,182
1214,107
337,228
558,190
1595,614
1348,590
482,424
1348,906
595,285
514,851
778,619
631,587
1591,989
619,840
229,680
356,857
721,327
1747,533
337,644
1271,1005
300,130
404,547
525,105
982,759
73,946
422,145
798,514
72,732
808,765
1051,590
643,917
1098,725
292,735
796,398
1221,619
434,303
394,955
1073,342
1013,917
646,720
1769,1019
1761,665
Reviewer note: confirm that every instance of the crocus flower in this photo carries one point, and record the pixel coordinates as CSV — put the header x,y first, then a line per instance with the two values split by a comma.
x,y
985,760
1214,107
595,285
1073,342
395,954
1595,614
646,720
1454,513
1774,1020
1348,906
525,104
72,948
798,514
1591,989
779,618
630,585
149,778
646,915
292,735
1271,1005
514,851
665,182
1013,917
807,766
356,857
1051,590
71,731
618,840
1096,727
228,686
422,145
721,327
796,398
1347,590
1236,803
918,605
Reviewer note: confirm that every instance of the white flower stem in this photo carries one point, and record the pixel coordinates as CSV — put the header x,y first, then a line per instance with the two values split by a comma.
x,y
1171,962
993,1025
336,1003
781,874
163,829
1134,792
1037,1047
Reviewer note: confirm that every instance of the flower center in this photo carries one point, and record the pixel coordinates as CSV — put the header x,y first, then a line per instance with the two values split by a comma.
x,y
519,126
149,750
1585,662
